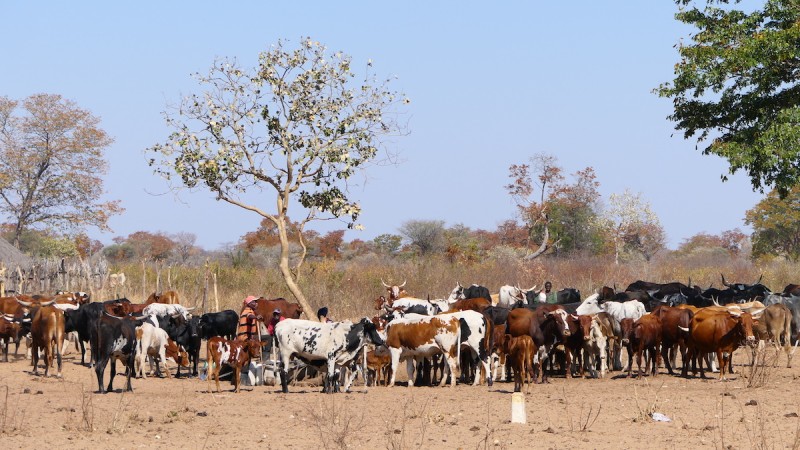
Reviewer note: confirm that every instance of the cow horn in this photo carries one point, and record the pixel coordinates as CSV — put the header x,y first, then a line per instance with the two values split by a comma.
x,y
735,313
384,283
759,279
574,316
26,304
690,283
683,329
192,308
111,315
47,303
404,283
8,317
714,300
532,288
723,281
758,312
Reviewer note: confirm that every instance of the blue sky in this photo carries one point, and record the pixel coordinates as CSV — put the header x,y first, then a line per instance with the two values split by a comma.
x,y
491,84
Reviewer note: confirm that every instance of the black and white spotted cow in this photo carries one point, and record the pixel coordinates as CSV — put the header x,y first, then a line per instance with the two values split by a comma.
x,y
334,344
116,340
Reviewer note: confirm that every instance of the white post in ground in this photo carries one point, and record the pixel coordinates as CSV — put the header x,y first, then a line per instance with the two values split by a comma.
x,y
518,414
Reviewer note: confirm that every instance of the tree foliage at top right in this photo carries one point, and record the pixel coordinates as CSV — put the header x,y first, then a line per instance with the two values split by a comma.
x,y
736,87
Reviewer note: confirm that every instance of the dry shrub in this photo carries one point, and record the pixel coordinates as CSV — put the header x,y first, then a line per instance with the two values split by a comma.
x,y
763,367
336,423
645,407
349,286
13,414
412,417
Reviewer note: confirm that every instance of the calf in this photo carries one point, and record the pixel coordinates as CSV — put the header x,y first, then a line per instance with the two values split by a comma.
x,y
335,344
643,335
221,323
47,332
379,363
775,324
521,351
594,345
152,342
9,330
233,353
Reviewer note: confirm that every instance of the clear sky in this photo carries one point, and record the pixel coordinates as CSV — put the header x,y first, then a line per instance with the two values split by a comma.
x,y
491,84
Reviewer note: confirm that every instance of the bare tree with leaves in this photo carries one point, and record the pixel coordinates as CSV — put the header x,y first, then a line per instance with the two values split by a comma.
x,y
298,125
51,165
523,187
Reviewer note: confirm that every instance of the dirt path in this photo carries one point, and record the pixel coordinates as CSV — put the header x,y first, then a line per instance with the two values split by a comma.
x,y
611,413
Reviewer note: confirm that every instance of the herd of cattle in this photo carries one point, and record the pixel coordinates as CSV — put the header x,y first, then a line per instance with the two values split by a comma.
x,y
481,336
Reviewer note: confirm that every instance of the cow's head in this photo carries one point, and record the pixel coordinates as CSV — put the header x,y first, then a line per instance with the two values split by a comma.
x,y
395,291
745,324
626,326
585,322
380,303
457,293
371,331
561,319
590,306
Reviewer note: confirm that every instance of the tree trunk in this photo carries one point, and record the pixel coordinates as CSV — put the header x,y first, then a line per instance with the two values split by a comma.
x,y
286,271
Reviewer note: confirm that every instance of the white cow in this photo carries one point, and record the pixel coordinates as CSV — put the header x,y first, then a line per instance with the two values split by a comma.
x,y
509,295
594,348
632,309
150,341
335,344
163,309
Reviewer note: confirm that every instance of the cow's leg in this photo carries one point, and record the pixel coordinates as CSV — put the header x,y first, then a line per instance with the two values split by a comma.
x,y
5,349
99,370
283,364
110,387
411,367
83,351
452,364
34,358
395,355
516,361
665,354
58,354
237,376
639,352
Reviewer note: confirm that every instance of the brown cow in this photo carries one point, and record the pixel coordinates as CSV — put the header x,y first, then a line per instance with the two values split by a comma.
x,y
236,354
9,330
177,354
379,365
473,304
265,307
643,335
775,323
169,297
673,338
546,325
47,330
720,332
521,350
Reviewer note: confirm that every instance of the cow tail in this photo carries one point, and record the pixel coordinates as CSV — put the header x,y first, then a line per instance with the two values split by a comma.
x,y
458,348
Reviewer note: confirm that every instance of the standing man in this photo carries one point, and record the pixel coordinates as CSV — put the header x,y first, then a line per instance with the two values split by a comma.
x,y
248,326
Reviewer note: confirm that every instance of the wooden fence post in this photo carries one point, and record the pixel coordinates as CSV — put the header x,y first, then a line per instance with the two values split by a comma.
x,y
216,299
205,286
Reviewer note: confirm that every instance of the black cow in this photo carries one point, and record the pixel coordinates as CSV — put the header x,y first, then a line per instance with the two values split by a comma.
x,y
474,291
497,314
736,293
115,340
187,335
83,321
223,323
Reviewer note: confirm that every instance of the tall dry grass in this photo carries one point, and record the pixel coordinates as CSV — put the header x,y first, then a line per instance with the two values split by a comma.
x,y
349,287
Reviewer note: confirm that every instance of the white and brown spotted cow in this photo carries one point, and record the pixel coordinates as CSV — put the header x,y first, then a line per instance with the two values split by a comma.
x,y
414,337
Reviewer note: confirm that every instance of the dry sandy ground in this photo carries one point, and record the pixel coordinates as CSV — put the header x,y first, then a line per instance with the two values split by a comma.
x,y
611,413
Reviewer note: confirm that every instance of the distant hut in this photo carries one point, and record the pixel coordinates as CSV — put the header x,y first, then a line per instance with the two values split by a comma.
x,y
14,265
